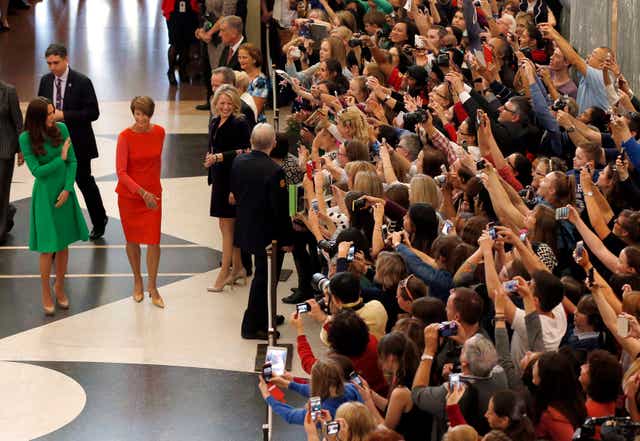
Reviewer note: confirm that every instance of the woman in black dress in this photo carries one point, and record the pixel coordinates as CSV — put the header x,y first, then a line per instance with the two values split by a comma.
x,y
182,22
228,133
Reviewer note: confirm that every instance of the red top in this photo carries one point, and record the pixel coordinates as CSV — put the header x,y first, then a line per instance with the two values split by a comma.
x,y
365,365
596,409
138,161
554,425
454,415
169,5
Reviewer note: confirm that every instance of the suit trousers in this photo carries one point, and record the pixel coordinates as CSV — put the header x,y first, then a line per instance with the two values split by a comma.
x,y
90,192
305,257
256,316
6,214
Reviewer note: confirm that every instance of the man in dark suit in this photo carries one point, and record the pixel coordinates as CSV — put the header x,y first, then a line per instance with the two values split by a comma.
x,y
259,191
76,105
10,128
231,36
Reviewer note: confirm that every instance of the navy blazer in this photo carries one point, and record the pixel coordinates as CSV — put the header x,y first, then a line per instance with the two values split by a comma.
x,y
80,107
262,202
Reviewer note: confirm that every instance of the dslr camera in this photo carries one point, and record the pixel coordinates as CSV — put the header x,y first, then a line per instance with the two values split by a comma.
x,y
611,429
355,41
417,117
320,285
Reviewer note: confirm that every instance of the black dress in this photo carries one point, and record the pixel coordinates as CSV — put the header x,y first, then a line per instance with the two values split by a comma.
x,y
234,134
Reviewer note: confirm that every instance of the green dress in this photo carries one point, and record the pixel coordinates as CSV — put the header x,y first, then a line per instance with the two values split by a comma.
x,y
53,229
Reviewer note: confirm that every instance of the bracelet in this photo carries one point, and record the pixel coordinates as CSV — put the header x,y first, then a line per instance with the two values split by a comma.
x,y
426,357
499,318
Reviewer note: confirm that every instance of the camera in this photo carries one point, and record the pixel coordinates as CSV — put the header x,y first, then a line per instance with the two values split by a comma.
x,y
315,406
329,246
440,179
559,104
319,282
351,254
493,234
562,213
580,248
481,165
358,204
447,329
267,371
510,285
477,3
355,41
413,118
523,235
611,429
303,308
443,58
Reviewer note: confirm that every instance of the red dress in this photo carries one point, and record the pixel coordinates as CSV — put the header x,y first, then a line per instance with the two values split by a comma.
x,y
138,160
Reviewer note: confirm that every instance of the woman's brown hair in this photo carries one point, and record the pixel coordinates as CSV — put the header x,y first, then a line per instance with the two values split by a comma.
x,y
35,123
253,52
326,379
390,269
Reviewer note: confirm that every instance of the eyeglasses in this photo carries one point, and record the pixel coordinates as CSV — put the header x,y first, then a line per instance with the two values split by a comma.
x,y
509,110
403,286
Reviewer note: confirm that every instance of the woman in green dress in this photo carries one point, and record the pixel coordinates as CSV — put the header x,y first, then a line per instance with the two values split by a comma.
x,y
56,218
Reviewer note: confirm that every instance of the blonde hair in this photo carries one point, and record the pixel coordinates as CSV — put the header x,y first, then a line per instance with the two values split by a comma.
x,y
354,167
242,81
144,104
230,92
326,379
368,183
358,419
390,269
424,190
352,117
463,432
337,49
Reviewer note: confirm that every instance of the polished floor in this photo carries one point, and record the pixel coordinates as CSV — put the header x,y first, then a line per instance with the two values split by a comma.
x,y
110,369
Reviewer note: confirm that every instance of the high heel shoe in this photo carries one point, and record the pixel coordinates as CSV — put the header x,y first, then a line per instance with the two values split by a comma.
x,y
227,281
64,303
49,310
138,297
157,300
242,274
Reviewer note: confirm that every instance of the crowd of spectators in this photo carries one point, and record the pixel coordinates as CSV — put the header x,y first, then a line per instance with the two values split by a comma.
x,y
469,190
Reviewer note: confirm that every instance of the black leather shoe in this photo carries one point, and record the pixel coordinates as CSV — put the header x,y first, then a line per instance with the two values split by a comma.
x,y
172,78
258,335
98,230
204,106
298,296
279,320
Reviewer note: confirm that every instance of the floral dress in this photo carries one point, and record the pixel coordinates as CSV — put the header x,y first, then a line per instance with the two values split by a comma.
x,y
259,87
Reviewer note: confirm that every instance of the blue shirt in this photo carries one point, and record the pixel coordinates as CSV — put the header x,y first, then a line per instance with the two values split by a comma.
x,y
592,91
294,415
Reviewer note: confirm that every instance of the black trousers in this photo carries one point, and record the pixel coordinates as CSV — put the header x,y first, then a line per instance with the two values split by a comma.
x,y
306,259
90,192
206,70
256,316
6,213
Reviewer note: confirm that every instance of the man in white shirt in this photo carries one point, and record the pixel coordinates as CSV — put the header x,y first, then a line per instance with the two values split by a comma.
x,y
231,36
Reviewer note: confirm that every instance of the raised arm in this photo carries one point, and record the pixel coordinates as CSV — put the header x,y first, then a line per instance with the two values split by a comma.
x,y
573,58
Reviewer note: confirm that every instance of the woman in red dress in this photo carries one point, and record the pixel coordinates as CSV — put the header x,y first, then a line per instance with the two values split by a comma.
x,y
138,161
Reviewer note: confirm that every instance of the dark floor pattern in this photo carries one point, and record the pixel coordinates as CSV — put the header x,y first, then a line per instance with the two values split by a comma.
x,y
182,156
127,402
20,301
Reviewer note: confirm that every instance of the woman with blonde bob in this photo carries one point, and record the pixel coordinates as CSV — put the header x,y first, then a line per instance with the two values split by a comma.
x,y
368,183
352,125
358,419
228,134
424,190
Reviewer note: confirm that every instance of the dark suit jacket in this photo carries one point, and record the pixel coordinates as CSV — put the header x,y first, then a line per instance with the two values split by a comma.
x,y
233,63
80,107
262,202
10,121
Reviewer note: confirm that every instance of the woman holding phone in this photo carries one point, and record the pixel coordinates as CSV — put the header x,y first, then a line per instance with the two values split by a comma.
x,y
138,164
56,218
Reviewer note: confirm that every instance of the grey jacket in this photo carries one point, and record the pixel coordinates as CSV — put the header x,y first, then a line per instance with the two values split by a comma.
x,y
10,121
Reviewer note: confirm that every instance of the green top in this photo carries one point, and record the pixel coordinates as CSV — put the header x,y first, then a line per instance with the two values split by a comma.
x,y
382,5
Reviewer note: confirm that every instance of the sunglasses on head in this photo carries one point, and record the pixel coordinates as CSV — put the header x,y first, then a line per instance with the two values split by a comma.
x,y
403,286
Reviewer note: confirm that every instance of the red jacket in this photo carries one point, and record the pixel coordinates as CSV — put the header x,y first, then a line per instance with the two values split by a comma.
x,y
365,365
169,5
554,425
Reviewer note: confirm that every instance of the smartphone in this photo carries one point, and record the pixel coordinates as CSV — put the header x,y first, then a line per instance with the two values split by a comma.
x,y
447,227
310,167
523,235
478,119
562,213
267,372
622,326
580,248
333,428
443,169
303,308
351,254
510,285
314,205
385,232
454,380
315,405
481,165
277,357
354,377
417,42
447,329
491,226
358,204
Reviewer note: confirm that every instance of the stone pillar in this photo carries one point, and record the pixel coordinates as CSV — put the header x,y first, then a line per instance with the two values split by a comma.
x,y
252,26
591,27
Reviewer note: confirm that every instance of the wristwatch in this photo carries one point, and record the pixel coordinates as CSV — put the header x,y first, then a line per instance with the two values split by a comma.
x,y
589,193
570,129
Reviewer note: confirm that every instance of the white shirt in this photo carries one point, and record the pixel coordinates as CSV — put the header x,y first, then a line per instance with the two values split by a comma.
x,y
553,329
63,78
235,47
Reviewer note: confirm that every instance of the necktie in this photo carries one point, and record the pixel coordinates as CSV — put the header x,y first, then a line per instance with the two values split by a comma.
x,y
58,94
229,55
